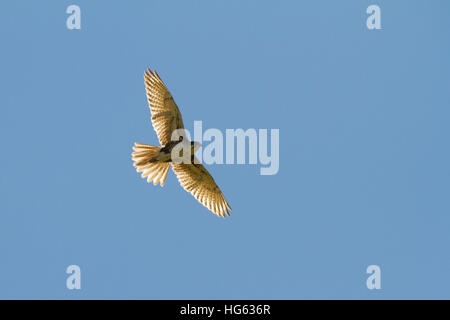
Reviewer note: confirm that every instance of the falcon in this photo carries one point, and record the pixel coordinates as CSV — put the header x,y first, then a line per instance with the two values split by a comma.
x,y
154,162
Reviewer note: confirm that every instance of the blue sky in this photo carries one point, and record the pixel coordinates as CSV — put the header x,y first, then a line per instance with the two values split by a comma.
x,y
364,150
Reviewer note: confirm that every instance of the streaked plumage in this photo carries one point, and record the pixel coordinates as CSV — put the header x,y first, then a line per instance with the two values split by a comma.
x,y
154,162
166,116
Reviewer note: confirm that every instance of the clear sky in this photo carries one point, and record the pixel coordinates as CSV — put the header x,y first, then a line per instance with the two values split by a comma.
x,y
364,174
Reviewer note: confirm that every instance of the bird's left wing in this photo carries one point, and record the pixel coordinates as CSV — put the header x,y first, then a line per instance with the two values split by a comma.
x,y
166,116
194,178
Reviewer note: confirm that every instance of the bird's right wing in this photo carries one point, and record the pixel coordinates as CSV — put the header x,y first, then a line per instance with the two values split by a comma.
x,y
166,116
194,178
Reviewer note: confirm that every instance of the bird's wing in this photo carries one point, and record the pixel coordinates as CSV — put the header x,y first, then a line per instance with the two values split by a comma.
x,y
194,178
165,114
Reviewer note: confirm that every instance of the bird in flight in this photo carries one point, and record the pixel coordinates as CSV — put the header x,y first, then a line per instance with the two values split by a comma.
x,y
154,162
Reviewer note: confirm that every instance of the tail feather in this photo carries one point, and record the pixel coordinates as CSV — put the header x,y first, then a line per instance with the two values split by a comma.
x,y
154,171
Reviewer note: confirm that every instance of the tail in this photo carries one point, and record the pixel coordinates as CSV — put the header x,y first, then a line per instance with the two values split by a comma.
x,y
144,161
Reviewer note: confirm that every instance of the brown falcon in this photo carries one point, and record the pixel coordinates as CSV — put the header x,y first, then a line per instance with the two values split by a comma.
x,y
154,162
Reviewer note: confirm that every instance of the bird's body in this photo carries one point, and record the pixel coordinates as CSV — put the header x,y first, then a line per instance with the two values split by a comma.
x,y
154,162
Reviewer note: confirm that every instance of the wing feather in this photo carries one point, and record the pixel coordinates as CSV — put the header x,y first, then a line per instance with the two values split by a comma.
x,y
166,116
194,178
